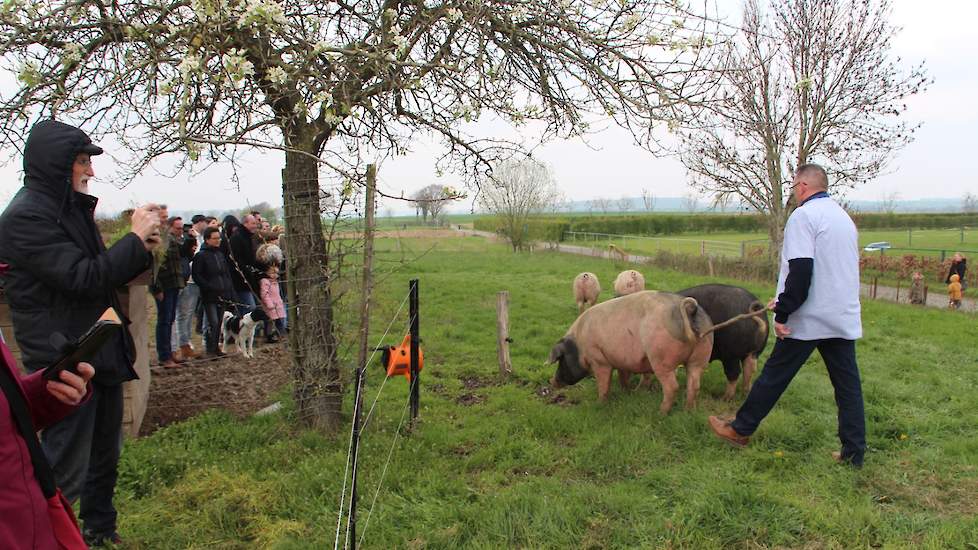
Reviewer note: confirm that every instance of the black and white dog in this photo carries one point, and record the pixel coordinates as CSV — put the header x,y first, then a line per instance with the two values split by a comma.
x,y
241,330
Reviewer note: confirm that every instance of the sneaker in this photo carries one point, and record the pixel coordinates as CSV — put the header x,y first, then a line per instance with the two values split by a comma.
x,y
273,339
722,429
96,540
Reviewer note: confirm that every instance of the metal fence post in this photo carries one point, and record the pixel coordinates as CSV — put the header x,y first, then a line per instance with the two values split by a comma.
x,y
415,341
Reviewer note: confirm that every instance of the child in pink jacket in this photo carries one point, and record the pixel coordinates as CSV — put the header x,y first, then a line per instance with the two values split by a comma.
x,y
271,300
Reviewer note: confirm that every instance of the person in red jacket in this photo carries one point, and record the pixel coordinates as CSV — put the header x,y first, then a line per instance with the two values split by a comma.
x,y
33,513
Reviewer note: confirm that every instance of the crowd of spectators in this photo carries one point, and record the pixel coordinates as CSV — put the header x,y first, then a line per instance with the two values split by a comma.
x,y
206,267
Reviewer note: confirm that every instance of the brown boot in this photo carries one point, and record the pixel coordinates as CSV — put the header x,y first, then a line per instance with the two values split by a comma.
x,y
170,363
724,431
188,353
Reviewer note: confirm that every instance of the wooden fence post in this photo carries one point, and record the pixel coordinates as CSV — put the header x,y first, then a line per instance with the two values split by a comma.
x,y
502,336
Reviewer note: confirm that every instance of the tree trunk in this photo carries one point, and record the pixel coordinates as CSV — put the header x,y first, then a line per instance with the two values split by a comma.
x,y
312,340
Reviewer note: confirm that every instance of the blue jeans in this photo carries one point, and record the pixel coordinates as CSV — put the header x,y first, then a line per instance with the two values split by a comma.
x,y
246,302
83,450
186,311
786,360
166,313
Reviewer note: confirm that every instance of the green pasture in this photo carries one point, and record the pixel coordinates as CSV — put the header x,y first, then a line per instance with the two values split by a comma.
x,y
509,464
920,242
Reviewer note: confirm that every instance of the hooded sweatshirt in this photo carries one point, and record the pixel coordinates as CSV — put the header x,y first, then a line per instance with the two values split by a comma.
x,y
61,276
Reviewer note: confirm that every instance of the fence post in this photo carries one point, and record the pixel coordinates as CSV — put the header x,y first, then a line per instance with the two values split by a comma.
x,y
502,333
702,248
898,291
909,237
875,281
368,262
415,341
743,249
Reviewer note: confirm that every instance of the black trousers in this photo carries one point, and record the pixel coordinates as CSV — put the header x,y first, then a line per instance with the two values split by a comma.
x,y
215,314
785,362
83,449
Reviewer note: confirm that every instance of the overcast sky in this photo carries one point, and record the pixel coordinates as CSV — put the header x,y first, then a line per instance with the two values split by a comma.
x,y
938,164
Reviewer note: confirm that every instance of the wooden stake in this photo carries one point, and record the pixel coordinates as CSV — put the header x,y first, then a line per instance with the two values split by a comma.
x,y
368,262
502,337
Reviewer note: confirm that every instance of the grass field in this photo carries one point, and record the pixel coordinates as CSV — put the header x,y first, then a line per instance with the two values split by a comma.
x,y
929,242
496,464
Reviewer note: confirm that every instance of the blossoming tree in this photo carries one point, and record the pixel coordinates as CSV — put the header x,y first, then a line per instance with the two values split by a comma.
x,y
326,81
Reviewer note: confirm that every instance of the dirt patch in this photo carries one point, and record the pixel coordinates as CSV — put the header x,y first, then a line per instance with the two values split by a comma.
x,y
554,397
469,399
233,383
476,382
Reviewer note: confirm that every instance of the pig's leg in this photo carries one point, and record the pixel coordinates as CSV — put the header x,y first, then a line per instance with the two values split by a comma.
x,y
670,387
694,372
750,363
623,378
603,376
646,382
731,368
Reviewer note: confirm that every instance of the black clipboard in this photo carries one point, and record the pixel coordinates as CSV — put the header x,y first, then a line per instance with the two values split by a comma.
x,y
86,346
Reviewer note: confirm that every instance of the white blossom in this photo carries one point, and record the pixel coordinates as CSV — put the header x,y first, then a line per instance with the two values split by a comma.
x,y
330,118
454,15
277,75
401,42
72,54
262,13
238,68
165,87
29,74
189,64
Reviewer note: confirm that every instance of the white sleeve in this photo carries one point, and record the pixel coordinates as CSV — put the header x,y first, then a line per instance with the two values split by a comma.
x,y
799,237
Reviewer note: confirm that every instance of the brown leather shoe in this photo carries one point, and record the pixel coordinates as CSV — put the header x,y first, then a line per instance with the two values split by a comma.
x,y
188,353
170,363
723,430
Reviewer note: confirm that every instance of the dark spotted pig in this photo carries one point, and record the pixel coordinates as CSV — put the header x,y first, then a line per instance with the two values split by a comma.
x,y
645,332
738,345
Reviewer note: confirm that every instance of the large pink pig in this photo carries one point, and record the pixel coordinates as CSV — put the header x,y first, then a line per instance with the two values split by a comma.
x,y
645,332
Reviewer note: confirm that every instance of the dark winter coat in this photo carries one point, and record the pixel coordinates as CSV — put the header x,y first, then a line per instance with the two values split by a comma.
x,y
959,269
212,276
243,257
61,276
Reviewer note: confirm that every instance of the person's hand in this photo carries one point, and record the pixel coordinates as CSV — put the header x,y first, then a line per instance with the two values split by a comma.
x,y
781,330
146,224
158,296
192,232
72,387
772,304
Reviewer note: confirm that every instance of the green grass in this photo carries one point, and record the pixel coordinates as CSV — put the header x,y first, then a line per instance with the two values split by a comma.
x,y
515,470
926,242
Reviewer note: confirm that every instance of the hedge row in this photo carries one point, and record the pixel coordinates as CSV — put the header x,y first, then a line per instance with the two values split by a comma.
x,y
551,228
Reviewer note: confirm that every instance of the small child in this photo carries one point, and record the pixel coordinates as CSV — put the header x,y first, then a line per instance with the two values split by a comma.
x,y
271,301
917,289
954,292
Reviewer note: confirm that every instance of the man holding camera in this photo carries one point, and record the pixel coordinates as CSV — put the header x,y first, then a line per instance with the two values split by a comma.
x,y
60,280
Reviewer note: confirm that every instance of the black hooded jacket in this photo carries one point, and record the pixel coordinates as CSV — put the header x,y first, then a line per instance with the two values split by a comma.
x,y
61,276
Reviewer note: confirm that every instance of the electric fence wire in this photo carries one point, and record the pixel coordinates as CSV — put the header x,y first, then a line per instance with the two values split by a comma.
x,y
382,384
383,474
346,472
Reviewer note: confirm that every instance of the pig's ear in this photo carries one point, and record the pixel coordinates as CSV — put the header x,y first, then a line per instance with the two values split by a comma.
x,y
557,352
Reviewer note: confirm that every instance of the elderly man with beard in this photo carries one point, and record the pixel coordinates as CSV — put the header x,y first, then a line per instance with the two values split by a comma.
x,y
60,280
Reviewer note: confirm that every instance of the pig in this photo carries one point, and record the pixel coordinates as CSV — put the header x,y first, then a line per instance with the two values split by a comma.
x,y
586,290
737,345
644,332
629,282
